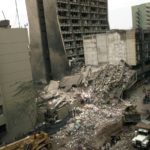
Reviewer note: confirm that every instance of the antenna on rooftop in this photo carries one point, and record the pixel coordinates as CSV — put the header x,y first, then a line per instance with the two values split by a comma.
x,y
17,13
3,15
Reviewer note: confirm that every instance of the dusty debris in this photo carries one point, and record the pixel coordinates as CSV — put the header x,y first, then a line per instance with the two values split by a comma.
x,y
69,81
93,101
131,115
125,140
110,81
50,90
89,126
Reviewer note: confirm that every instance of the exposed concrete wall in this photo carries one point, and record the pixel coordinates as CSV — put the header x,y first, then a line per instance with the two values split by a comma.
x,y
117,47
131,47
90,53
15,67
37,56
111,47
58,58
102,48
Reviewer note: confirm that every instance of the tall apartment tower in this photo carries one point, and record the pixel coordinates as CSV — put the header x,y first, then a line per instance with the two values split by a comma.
x,y
58,27
141,16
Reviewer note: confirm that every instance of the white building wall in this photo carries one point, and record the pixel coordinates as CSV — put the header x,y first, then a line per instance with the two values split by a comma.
x,y
102,48
110,48
116,48
91,54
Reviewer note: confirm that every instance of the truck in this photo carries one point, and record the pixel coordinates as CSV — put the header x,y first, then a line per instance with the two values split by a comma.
x,y
142,135
130,115
37,141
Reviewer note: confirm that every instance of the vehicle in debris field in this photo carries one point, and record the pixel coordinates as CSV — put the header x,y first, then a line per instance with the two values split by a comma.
x,y
142,135
130,115
37,141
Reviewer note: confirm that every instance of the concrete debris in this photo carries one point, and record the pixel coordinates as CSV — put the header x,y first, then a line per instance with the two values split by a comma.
x,y
92,126
51,90
68,82
125,140
53,86
110,81
92,100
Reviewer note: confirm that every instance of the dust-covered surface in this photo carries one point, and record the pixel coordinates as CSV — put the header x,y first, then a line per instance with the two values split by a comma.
x,y
95,105
91,127
125,142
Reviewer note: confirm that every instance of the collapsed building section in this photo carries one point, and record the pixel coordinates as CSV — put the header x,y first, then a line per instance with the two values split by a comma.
x,y
64,22
92,97
132,46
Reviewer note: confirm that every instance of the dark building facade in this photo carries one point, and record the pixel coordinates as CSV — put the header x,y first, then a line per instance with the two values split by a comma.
x,y
57,28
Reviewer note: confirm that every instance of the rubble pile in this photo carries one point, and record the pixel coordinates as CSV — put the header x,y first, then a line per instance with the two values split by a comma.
x,y
85,127
125,142
109,81
93,97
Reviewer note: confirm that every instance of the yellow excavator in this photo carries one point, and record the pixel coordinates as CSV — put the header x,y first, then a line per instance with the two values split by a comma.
x,y
37,141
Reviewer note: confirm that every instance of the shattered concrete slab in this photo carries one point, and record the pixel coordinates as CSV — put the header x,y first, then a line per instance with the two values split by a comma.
x,y
94,96
89,126
69,81
50,90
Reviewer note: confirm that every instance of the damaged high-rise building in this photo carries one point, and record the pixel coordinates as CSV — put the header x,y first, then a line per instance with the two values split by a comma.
x,y
57,28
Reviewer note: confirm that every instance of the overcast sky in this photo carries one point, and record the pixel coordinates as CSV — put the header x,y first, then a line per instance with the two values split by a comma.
x,y
119,12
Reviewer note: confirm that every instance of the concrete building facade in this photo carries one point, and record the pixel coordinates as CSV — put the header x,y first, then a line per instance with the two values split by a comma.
x,y
62,24
14,68
141,16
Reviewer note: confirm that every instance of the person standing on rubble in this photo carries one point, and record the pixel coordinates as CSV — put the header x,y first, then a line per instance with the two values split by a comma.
x,y
107,147
74,111
146,99
103,147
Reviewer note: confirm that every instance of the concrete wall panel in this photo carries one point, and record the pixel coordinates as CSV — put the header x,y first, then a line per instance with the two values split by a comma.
x,y
90,51
131,48
116,47
102,48
111,47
